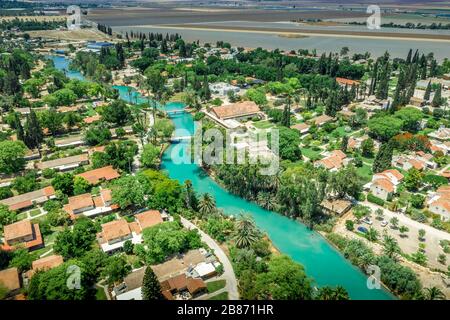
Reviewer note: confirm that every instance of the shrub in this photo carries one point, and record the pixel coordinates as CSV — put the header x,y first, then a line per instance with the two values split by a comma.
x,y
374,199
350,225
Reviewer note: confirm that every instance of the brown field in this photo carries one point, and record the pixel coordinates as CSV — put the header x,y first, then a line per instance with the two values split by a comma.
x,y
162,16
75,35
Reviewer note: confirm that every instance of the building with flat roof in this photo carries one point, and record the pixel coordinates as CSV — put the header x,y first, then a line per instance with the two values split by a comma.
x,y
238,111
101,174
64,164
22,234
29,199
9,278
89,205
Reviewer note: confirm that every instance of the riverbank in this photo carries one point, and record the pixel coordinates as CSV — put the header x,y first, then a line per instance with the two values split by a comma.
x,y
323,234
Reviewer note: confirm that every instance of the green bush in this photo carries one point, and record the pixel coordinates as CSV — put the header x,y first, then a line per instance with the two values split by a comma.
x,y
374,199
350,225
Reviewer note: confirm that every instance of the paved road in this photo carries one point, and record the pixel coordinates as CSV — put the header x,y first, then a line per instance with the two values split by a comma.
x,y
228,275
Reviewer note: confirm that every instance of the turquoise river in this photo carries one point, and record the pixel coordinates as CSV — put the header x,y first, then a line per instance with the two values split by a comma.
x,y
321,260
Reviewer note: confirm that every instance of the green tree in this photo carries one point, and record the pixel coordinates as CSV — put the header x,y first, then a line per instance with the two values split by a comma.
x,y
385,127
284,280
64,183
97,134
329,293
434,293
394,222
437,98
246,232
52,284
117,112
21,260
116,269
76,242
206,205
390,247
80,185
128,192
11,156
413,179
383,158
150,156
151,288
367,147
372,234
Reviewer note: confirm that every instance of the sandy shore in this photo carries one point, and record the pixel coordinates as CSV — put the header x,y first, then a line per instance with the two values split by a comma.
x,y
306,33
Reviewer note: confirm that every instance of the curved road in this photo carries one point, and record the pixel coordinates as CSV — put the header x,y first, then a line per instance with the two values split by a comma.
x,y
228,274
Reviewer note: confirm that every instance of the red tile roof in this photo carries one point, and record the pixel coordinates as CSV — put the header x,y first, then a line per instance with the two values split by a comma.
x,y
10,278
148,218
240,109
96,175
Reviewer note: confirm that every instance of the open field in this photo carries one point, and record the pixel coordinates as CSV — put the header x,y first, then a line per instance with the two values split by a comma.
x,y
72,35
161,16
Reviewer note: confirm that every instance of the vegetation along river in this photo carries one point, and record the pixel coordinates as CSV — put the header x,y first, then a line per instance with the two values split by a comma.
x,y
321,261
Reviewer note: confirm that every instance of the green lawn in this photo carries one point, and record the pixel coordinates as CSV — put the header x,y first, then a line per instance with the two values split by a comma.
x,y
365,172
220,296
368,160
100,294
21,216
213,286
35,212
310,153
263,124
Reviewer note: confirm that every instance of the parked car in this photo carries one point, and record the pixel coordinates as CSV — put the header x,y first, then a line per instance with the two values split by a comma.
x,y
366,220
362,229
384,223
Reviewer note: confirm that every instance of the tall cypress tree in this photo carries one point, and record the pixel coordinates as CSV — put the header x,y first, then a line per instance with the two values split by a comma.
x,y
286,118
437,99
151,289
383,87
426,96
383,159
33,131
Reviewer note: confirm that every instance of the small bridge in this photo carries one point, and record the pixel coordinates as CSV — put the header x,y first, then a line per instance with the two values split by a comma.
x,y
169,112
177,139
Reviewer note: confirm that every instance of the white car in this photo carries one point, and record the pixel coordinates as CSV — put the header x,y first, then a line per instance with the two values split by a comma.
x,y
384,223
367,220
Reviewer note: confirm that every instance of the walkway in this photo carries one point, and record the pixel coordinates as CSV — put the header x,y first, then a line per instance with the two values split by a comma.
x,y
228,274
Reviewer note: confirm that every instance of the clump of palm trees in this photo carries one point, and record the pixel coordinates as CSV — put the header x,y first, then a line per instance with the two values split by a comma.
x,y
246,233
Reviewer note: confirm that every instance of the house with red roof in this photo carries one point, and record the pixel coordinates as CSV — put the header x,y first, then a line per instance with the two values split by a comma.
x,y
384,184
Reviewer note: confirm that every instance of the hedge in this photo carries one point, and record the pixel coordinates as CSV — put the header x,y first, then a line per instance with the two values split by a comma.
x,y
374,199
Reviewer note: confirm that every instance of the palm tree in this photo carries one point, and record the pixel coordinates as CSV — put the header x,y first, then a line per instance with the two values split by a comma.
x,y
379,212
206,204
394,222
390,247
434,293
246,232
340,293
372,234
403,231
